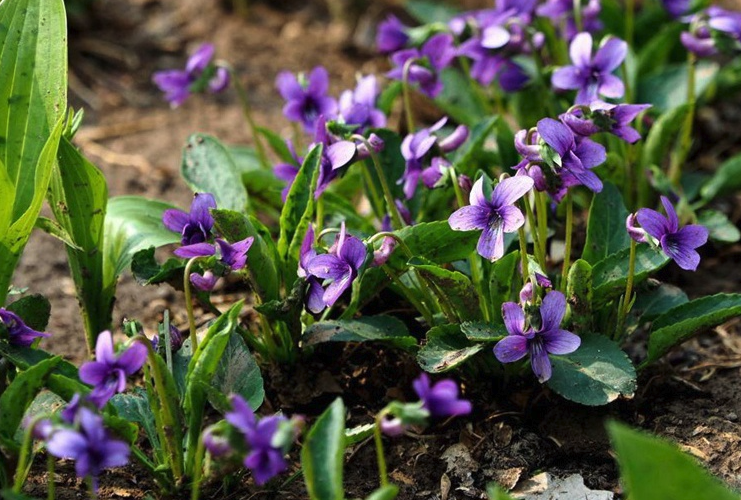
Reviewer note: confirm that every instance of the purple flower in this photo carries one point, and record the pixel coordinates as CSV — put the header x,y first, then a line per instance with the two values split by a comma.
x,y
314,298
678,243
199,74
391,35
235,256
216,443
108,372
575,157
561,14
676,8
495,216
635,232
699,41
441,399
307,99
89,446
549,338
195,227
335,156
604,117
359,107
418,150
70,411
711,30
288,171
205,282
434,56
341,266
592,76
19,333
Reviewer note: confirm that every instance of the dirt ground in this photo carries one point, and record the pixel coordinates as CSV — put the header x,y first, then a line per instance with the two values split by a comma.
x,y
692,397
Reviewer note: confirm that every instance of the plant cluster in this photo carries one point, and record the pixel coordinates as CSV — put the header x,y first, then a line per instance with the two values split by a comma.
x,y
557,120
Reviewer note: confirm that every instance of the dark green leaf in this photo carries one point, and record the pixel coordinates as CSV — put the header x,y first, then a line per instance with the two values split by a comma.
x,y
503,276
134,406
466,158
606,233
653,469
237,373
208,167
725,180
656,51
368,328
148,271
454,291
358,433
388,95
323,453
667,88
579,293
428,12
610,275
483,332
21,392
720,227
277,144
686,320
435,241
34,310
445,349
662,135
458,99
595,374
651,304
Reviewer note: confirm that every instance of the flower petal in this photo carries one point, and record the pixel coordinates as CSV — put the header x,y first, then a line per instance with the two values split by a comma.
x,y
556,135
133,358
671,215
477,194
491,241
514,318
104,348
341,153
469,218
94,372
541,365
560,341
511,348
580,50
195,250
318,82
327,266
611,86
512,218
653,222
567,78
354,252
610,55
175,220
509,190
552,311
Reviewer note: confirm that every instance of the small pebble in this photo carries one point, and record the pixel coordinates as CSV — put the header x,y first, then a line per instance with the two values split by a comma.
x,y
732,417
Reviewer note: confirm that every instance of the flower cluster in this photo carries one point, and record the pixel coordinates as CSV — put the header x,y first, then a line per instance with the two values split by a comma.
x,y
713,30
200,74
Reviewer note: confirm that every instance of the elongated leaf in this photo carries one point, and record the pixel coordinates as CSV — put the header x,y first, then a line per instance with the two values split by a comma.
x,y
134,406
300,200
454,291
208,167
656,51
445,349
684,321
368,328
388,492
606,233
726,179
52,228
323,453
611,274
238,373
667,88
78,196
662,135
595,374
21,392
458,99
653,469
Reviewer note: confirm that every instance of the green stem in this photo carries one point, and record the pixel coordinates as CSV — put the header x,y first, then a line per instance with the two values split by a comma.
x,y
90,480
380,458
168,340
523,254
456,188
539,253
319,214
247,112
541,204
393,211
678,159
567,249
198,470
629,22
189,303
577,16
405,94
21,469
627,302
377,201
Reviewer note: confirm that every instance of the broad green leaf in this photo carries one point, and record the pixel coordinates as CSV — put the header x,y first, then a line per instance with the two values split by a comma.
x,y
446,348
262,255
78,197
721,229
610,275
458,99
132,223
435,241
147,271
483,332
579,294
277,144
323,453
454,291
238,373
653,469
34,310
134,406
597,373
725,180
7,194
25,358
21,392
653,303
121,427
427,11
667,88
388,492
606,233
662,135
207,167
684,321
368,328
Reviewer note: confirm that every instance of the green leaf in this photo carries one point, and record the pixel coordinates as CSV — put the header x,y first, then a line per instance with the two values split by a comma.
x,y
52,228
662,135
595,374
483,332
368,328
392,165
454,291
207,167
358,433
21,392
721,229
436,242
606,233
579,294
725,180
503,275
446,348
78,197
667,88
262,255
428,12
655,53
611,274
684,321
63,379
653,469
8,494
457,98
651,304
388,492
237,373
34,310
147,271
323,453
135,406
277,144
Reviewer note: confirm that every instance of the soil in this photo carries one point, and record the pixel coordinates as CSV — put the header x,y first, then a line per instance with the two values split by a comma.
x,y
692,397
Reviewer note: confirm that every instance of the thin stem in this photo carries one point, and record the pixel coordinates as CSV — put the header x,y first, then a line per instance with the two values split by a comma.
x,y
189,303
168,340
393,211
198,470
539,253
523,253
456,188
380,458
629,21
675,169
577,16
541,205
319,214
21,469
377,201
567,250
627,302
247,112
405,94
92,486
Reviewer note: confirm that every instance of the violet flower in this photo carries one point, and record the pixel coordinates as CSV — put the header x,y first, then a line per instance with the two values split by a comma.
x,y
561,14
195,227
605,117
108,372
592,75
495,216
307,99
434,56
314,298
358,107
391,35
89,446
539,342
441,399
199,74
677,8
341,265
677,243
205,282
19,333
234,256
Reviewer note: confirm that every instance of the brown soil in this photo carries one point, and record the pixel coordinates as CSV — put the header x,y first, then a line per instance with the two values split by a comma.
x,y
693,397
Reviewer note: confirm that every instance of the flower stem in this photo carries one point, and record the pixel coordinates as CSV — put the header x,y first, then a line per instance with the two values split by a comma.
x,y
523,254
541,205
567,249
21,470
189,304
198,470
629,21
456,188
538,249
247,112
675,168
380,458
393,211
627,302
577,16
406,96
